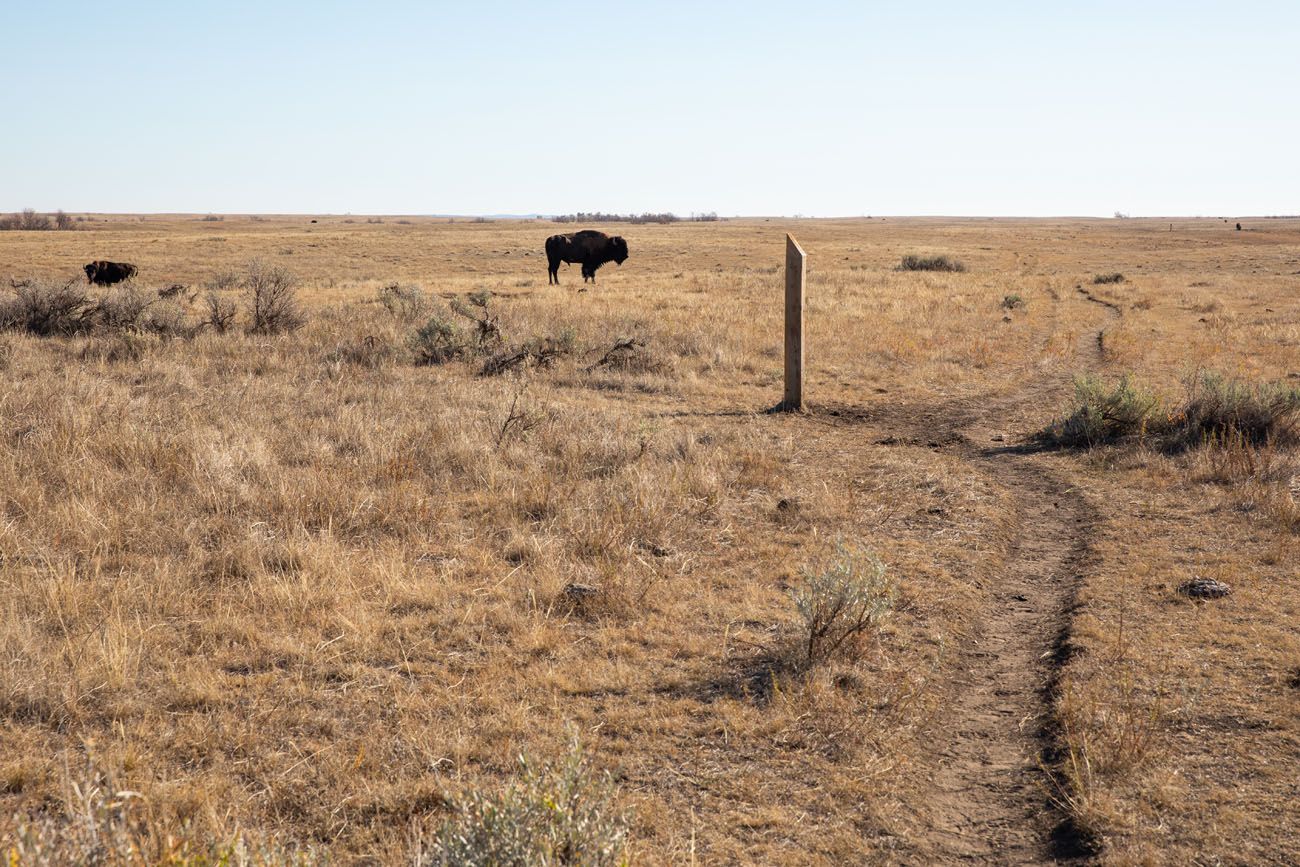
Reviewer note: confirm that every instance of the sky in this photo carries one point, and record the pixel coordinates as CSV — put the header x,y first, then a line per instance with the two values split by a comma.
x,y
740,108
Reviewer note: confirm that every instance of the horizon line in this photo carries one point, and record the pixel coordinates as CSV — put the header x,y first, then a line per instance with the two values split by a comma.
x,y
684,219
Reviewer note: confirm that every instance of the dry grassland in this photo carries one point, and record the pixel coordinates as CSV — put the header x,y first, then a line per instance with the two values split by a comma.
x,y
301,589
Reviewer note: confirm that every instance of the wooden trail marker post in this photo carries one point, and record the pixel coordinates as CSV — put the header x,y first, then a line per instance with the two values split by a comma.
x,y
795,272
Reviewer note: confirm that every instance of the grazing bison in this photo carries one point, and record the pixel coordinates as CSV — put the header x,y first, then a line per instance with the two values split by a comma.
x,y
589,247
103,273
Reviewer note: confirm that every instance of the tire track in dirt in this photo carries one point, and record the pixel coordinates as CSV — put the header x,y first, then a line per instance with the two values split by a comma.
x,y
991,799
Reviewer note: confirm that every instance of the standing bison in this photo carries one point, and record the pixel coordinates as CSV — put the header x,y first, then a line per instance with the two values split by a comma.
x,y
589,247
103,273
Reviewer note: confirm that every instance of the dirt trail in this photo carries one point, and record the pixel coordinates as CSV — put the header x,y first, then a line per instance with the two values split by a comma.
x,y
991,799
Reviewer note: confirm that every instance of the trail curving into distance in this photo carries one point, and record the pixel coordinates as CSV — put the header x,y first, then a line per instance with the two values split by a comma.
x,y
992,790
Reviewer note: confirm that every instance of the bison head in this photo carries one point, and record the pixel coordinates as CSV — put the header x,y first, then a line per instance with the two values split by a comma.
x,y
619,247
90,271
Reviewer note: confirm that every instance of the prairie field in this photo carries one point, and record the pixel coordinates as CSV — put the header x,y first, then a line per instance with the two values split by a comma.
x,y
304,592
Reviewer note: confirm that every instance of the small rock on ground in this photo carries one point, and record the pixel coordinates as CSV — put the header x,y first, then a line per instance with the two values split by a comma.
x,y
1204,588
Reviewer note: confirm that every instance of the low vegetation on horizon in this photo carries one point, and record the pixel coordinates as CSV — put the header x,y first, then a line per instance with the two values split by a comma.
x,y
635,219
30,221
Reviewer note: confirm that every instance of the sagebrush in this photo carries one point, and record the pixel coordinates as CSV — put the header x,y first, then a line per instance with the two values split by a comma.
x,y
841,601
560,813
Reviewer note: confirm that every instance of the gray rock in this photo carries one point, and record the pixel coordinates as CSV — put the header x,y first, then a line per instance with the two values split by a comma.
x,y
1204,588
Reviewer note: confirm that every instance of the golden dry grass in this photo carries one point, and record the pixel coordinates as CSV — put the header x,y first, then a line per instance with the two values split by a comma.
x,y
300,588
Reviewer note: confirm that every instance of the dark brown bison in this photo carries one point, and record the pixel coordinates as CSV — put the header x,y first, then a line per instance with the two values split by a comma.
x,y
103,273
589,247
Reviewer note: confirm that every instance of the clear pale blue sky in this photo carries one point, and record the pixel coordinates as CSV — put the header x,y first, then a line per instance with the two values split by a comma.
x,y
816,108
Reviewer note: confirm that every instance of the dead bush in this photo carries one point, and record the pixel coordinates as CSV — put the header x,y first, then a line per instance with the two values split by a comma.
x,y
487,333
632,355
536,352
47,309
168,318
520,419
273,299
219,313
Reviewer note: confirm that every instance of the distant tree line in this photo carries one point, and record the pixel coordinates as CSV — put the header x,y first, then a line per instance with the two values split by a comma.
x,y
598,217
30,221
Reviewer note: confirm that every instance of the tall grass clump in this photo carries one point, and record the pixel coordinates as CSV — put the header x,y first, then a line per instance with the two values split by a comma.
x,y
1104,279
223,280
554,814
931,263
1221,409
105,823
1103,414
841,602
1105,739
